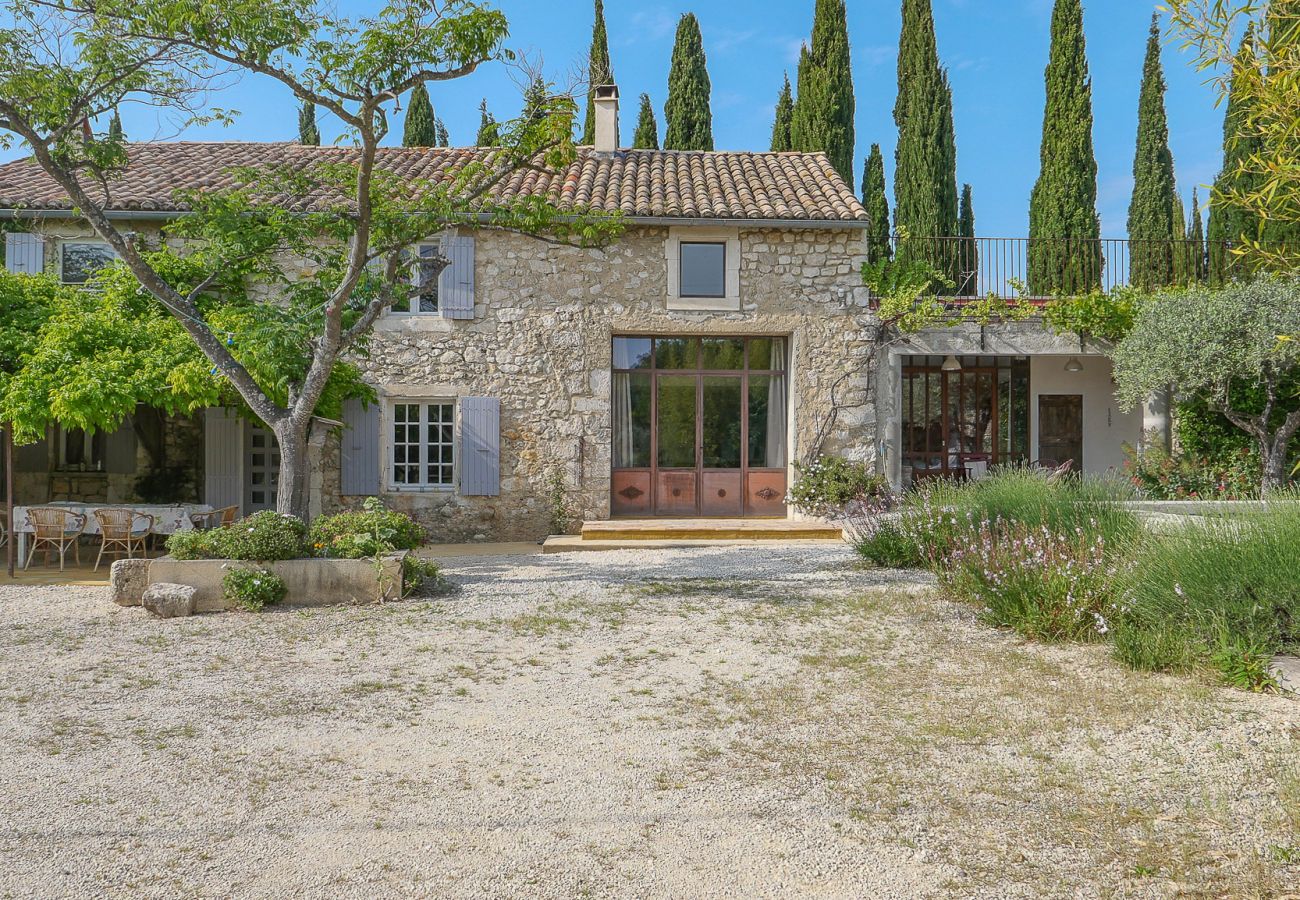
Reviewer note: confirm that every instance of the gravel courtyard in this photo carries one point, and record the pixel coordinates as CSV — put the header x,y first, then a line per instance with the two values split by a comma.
x,y
726,722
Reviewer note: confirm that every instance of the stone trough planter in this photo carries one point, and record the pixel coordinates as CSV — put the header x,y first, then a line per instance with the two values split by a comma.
x,y
310,582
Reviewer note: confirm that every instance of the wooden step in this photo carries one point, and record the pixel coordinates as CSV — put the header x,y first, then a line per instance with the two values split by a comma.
x,y
708,529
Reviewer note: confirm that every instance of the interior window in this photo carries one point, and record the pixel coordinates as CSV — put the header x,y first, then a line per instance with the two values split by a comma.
x,y
82,259
703,269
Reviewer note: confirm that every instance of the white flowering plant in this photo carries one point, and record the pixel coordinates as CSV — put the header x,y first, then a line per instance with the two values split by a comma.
x,y
253,588
830,486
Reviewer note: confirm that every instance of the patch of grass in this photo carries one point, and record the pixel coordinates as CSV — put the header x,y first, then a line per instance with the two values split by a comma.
x,y
1221,594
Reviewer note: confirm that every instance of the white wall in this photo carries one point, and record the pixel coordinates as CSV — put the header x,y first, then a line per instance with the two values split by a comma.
x,y
1105,428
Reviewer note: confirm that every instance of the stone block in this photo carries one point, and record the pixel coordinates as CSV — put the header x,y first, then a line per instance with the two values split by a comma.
x,y
168,600
128,579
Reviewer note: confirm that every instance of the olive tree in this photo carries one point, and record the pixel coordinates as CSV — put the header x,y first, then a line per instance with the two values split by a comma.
x,y
328,240
1216,344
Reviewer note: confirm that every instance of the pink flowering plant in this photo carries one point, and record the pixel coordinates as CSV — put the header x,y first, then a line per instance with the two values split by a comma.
x,y
1046,584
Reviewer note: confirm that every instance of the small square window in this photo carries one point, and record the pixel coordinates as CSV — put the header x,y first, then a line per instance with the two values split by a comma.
x,y
79,260
703,269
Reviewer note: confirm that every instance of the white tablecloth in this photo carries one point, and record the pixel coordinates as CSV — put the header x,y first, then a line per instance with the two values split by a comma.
x,y
168,518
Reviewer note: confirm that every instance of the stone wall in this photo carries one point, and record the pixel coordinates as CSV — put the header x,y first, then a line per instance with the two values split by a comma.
x,y
541,342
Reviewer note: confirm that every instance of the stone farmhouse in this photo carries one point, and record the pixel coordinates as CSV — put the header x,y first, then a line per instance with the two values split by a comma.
x,y
681,371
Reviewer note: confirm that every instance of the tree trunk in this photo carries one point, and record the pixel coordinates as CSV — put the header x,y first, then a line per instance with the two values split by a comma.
x,y
1274,457
295,470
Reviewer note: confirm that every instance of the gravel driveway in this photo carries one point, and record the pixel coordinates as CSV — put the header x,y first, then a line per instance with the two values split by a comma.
x,y
731,722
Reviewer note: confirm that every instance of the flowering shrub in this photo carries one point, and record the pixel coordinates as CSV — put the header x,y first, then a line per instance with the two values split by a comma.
x,y
1044,584
829,485
1158,475
264,536
253,589
373,531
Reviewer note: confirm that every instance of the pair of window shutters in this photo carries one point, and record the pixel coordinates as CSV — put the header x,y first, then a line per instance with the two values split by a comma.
x,y
478,453
24,253
456,283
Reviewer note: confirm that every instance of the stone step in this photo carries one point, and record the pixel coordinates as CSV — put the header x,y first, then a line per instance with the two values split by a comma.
x,y
566,543
709,530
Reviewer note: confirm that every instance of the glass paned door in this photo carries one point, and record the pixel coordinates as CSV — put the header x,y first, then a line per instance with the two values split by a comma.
x,y
261,469
699,426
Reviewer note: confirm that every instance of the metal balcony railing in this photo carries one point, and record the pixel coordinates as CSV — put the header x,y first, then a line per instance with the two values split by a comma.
x,y
1040,269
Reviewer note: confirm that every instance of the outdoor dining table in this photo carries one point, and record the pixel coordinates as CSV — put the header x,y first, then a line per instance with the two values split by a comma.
x,y
169,518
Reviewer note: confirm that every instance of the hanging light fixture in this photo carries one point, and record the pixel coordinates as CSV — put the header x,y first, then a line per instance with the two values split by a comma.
x,y
1074,365
951,364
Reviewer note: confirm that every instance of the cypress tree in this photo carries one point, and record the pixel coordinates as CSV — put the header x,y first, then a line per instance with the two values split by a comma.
x,y
308,133
1180,253
421,129
925,161
441,137
489,134
877,204
599,71
536,99
115,128
968,254
1151,213
1229,223
689,121
1064,230
1200,269
647,129
823,114
784,113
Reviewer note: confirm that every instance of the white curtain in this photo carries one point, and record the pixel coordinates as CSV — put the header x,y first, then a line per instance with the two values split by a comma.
x,y
776,407
624,452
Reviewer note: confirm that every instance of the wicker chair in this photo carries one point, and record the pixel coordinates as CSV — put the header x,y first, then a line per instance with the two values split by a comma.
x,y
121,533
215,518
56,530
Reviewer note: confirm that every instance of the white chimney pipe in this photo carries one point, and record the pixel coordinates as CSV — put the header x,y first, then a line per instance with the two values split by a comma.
x,y
606,100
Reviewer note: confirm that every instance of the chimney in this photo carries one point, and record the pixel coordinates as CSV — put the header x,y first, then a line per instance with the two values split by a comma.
x,y
606,100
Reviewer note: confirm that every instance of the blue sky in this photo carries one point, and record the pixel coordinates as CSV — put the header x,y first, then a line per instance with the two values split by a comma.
x,y
995,51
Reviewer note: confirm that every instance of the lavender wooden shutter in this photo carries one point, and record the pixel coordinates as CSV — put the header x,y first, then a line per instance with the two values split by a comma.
x,y
480,446
25,253
223,458
360,449
456,290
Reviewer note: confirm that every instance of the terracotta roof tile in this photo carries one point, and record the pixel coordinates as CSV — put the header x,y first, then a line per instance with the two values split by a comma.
x,y
640,183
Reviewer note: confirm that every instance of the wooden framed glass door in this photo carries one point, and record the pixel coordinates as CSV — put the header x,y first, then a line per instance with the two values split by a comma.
x,y
699,426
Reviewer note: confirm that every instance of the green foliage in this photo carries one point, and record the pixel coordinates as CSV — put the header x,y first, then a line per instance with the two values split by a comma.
x,y
646,136
1198,269
1160,475
308,133
968,254
371,532
822,117
262,537
26,303
599,71
781,142
115,132
253,589
421,127
925,170
418,573
100,353
1064,252
889,546
1220,595
488,131
686,113
1109,316
876,201
1208,344
829,484
1151,223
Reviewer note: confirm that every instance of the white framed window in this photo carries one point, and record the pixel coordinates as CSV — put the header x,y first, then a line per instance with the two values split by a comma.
x,y
79,260
421,445
703,269
424,280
